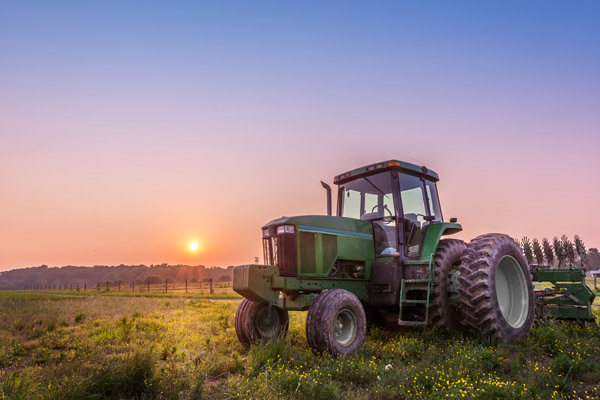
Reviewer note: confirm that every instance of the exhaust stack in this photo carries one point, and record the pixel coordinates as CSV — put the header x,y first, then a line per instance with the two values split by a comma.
x,y
328,189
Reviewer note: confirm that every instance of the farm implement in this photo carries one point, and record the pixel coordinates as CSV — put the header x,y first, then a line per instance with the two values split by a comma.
x,y
384,258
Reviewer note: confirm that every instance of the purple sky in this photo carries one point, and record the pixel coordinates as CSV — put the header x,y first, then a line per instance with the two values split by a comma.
x,y
127,131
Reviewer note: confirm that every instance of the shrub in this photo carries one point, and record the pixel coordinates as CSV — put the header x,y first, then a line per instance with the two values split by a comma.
x,y
131,377
80,317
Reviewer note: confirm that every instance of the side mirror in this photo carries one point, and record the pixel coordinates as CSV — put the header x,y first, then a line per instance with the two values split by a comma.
x,y
428,218
453,219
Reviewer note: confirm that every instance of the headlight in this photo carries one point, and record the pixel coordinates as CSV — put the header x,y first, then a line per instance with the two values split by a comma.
x,y
265,232
285,229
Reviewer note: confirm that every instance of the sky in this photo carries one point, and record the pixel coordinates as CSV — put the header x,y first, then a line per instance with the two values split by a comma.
x,y
130,129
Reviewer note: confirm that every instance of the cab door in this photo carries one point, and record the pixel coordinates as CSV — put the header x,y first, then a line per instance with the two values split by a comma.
x,y
386,275
419,208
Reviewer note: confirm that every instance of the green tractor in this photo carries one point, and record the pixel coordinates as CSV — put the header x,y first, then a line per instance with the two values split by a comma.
x,y
385,257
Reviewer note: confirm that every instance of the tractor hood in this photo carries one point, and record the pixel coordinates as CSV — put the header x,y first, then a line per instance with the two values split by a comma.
x,y
319,246
326,224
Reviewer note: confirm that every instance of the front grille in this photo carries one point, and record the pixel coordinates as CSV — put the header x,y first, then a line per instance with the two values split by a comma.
x,y
270,250
280,250
288,259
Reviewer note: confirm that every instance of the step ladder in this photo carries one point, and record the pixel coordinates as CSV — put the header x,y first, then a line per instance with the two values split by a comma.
x,y
416,285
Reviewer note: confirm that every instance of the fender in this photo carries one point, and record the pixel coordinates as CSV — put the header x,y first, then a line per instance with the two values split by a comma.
x,y
434,233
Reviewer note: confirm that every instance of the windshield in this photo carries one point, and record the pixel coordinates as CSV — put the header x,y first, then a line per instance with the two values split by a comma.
x,y
371,198
368,198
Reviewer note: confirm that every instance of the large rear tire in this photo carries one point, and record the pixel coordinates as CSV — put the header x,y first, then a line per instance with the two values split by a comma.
x,y
444,305
496,288
336,323
254,322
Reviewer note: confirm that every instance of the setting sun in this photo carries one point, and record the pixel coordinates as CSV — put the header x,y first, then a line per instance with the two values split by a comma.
x,y
193,246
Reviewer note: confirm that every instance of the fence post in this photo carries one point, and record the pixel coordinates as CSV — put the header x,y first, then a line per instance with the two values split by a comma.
x,y
210,285
186,286
119,286
84,286
148,286
166,287
133,286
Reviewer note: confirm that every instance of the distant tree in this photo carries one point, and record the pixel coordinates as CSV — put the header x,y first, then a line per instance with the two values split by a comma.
x,y
559,251
224,278
580,249
593,259
153,279
537,252
194,279
526,244
138,280
569,250
547,247
169,280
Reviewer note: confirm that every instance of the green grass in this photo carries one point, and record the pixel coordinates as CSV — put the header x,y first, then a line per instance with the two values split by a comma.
x,y
114,345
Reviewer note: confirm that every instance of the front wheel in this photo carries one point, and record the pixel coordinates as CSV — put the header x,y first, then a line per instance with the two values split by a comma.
x,y
336,323
259,322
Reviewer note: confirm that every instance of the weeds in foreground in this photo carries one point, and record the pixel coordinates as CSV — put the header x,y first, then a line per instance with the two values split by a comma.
x,y
143,347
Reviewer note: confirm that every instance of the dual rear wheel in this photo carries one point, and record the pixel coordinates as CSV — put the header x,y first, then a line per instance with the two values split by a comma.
x,y
496,288
483,287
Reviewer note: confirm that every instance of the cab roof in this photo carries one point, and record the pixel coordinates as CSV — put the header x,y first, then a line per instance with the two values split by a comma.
x,y
397,165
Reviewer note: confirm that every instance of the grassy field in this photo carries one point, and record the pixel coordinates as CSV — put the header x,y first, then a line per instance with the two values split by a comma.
x,y
171,346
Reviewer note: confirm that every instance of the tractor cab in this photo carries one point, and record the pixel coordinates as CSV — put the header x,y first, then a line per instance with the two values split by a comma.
x,y
400,200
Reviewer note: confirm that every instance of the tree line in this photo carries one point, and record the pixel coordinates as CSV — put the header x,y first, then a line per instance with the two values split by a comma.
x,y
560,253
101,274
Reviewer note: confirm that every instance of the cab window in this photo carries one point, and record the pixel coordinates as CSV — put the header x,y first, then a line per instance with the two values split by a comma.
x,y
371,198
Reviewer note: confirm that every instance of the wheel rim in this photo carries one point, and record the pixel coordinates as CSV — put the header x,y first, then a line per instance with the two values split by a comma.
x,y
512,293
344,326
267,323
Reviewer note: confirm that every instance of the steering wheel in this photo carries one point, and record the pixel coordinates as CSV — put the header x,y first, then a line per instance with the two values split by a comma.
x,y
385,208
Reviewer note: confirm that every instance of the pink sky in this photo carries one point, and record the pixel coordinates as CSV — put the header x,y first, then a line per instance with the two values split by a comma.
x,y
124,145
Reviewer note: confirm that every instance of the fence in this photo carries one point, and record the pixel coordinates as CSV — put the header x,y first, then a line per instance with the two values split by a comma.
x,y
181,287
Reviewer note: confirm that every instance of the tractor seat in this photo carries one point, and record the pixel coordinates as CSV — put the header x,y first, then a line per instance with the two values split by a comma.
x,y
371,216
